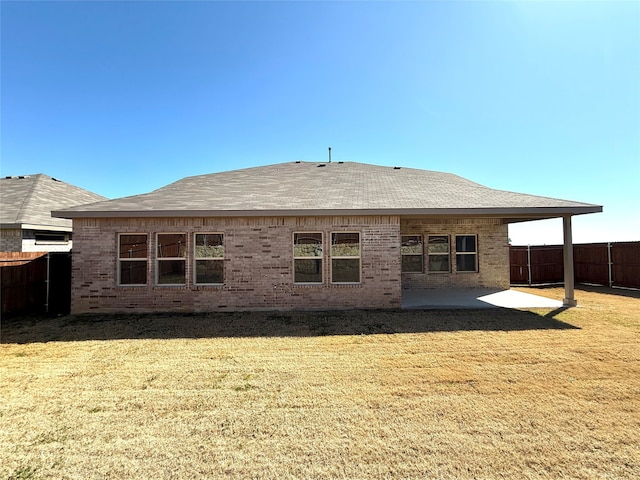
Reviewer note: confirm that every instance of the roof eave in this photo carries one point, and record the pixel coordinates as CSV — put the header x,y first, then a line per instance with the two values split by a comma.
x,y
35,226
50,228
10,226
515,213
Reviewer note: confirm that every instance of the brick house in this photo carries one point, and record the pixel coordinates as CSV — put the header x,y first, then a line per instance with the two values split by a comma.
x,y
298,235
26,202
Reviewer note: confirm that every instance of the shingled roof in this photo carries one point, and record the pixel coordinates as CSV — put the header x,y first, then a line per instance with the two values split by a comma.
x,y
26,201
338,188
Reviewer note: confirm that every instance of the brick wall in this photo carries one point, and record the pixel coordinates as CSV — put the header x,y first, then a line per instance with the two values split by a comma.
x,y
258,265
11,240
493,253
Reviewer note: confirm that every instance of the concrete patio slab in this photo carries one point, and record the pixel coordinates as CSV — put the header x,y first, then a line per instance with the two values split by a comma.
x,y
475,298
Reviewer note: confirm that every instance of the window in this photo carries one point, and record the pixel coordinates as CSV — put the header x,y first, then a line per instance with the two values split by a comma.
x,y
412,253
52,238
307,257
345,257
132,259
466,253
439,253
171,253
209,258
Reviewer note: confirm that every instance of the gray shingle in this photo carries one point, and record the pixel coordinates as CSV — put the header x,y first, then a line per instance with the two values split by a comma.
x,y
311,188
29,200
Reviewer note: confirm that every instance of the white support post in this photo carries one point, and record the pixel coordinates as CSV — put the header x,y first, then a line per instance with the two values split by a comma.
x,y
569,300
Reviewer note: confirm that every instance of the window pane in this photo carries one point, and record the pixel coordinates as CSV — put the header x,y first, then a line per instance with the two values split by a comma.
x,y
411,244
307,244
209,271
465,243
209,245
133,246
345,270
172,245
133,273
412,263
345,244
439,244
466,263
53,238
439,263
171,272
307,271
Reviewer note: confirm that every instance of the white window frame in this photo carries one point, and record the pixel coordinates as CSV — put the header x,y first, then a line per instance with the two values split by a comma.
x,y
316,257
161,259
196,258
447,254
346,257
421,254
134,259
475,253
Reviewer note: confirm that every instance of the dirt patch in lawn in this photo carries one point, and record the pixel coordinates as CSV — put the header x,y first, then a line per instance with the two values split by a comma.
x,y
450,394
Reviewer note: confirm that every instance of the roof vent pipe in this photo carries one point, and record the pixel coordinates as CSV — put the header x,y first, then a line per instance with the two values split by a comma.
x,y
329,154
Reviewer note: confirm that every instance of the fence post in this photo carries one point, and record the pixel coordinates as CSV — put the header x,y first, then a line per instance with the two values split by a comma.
x,y
610,264
529,263
47,283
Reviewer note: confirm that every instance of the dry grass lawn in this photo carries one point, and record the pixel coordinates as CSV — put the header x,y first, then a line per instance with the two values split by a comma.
x,y
413,394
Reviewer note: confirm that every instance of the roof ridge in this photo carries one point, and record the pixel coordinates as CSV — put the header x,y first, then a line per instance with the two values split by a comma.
x,y
29,197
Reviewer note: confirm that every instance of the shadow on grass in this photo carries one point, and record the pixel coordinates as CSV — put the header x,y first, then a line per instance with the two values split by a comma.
x,y
271,324
618,291
557,311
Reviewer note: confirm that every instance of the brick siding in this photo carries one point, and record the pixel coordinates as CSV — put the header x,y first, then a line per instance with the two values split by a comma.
x,y
258,265
11,240
493,253
258,259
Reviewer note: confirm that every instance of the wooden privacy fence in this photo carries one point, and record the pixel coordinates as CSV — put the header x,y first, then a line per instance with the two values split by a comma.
x,y
612,264
35,282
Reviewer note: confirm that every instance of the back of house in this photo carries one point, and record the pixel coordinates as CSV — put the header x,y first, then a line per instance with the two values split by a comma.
x,y
297,235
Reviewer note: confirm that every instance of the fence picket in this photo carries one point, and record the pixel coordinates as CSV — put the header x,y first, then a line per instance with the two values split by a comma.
x,y
26,286
614,264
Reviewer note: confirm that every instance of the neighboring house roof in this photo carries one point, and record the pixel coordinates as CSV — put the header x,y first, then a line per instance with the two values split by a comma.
x,y
338,188
26,201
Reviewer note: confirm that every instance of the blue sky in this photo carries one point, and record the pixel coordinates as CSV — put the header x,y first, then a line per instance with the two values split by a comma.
x,y
538,97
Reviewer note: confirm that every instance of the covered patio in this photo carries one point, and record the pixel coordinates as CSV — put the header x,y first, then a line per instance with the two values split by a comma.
x,y
431,295
437,299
